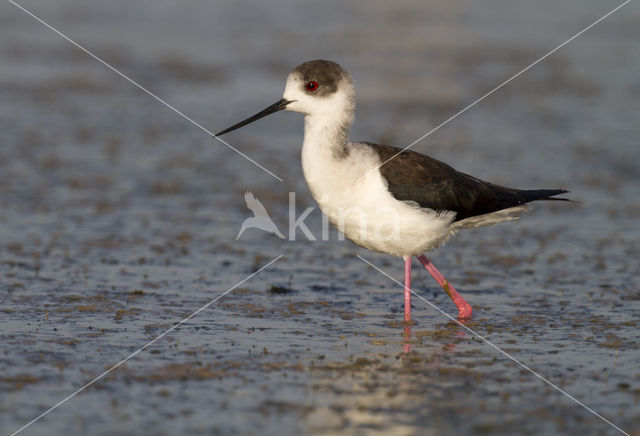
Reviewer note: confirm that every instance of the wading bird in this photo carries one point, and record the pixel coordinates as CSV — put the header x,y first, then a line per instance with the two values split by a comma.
x,y
384,198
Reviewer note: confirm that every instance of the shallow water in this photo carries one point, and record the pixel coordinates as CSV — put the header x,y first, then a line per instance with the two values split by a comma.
x,y
118,219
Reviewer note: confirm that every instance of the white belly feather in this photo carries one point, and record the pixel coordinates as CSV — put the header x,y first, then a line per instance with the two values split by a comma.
x,y
358,203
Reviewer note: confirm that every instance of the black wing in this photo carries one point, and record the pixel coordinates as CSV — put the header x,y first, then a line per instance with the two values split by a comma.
x,y
435,185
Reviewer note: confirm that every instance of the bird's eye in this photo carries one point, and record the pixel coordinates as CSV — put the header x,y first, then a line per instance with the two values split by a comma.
x,y
311,86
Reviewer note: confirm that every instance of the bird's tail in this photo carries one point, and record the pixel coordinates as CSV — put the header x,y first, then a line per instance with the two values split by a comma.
x,y
542,194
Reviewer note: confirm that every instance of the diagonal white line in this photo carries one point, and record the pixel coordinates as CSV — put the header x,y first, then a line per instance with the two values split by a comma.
x,y
451,118
145,346
195,123
500,350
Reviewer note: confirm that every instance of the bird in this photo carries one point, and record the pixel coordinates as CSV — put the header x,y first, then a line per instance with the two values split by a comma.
x,y
260,219
383,198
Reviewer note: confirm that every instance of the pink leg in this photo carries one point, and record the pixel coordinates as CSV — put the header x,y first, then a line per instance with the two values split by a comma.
x,y
407,288
464,308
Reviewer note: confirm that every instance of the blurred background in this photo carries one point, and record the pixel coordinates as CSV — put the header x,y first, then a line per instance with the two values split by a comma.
x,y
118,218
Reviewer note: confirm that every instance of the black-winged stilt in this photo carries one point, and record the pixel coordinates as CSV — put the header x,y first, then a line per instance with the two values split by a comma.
x,y
383,198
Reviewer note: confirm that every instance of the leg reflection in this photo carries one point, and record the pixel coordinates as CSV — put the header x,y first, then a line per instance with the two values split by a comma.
x,y
406,346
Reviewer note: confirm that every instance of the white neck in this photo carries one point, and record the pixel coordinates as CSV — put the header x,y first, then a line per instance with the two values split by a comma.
x,y
325,143
326,134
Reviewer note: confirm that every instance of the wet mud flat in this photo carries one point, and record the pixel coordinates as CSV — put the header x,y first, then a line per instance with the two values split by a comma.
x,y
118,219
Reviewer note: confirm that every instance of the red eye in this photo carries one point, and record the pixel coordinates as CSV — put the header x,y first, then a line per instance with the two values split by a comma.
x,y
312,86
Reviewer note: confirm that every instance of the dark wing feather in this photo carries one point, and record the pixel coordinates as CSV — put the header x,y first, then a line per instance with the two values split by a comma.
x,y
435,185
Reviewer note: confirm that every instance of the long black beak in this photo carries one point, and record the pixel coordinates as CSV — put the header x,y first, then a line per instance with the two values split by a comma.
x,y
278,106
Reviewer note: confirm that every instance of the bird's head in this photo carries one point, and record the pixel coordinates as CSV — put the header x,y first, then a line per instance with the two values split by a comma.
x,y
318,87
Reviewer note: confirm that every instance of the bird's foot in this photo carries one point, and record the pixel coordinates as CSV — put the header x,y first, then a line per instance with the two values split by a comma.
x,y
464,309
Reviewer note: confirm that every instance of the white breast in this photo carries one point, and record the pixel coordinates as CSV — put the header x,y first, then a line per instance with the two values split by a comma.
x,y
358,203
